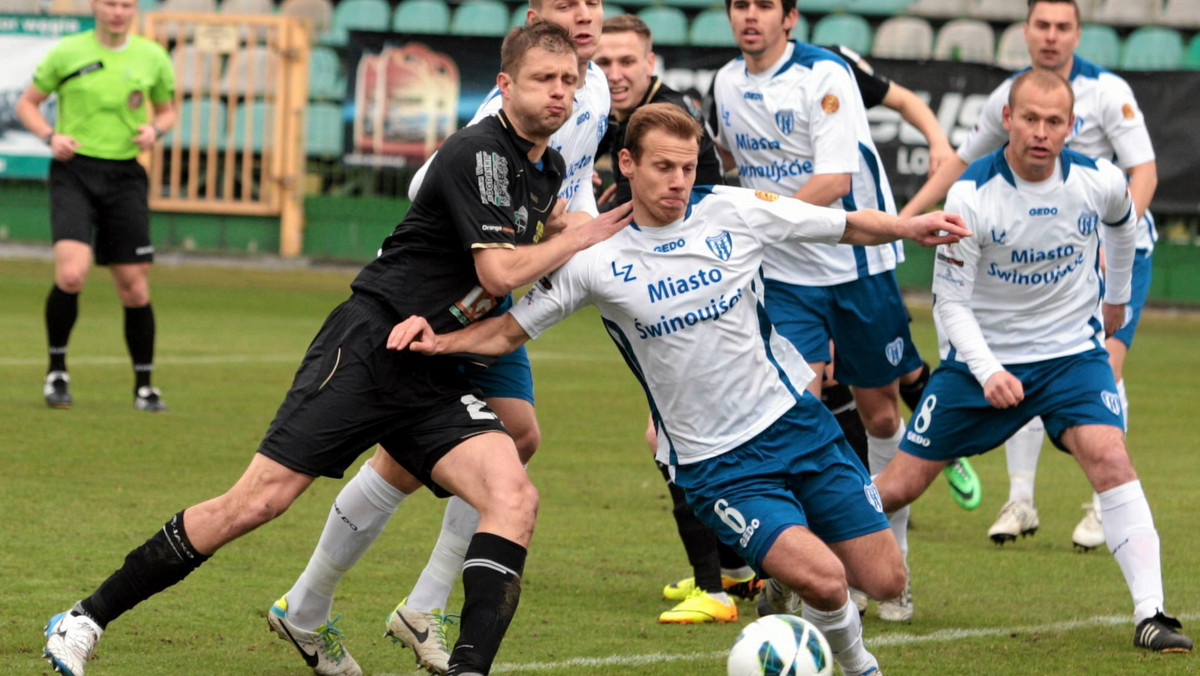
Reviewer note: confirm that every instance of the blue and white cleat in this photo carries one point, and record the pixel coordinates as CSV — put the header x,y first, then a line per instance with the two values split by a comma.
x,y
71,638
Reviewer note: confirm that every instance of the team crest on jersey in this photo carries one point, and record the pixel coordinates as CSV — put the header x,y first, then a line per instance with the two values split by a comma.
x,y
830,103
721,245
1127,111
894,351
1112,400
521,220
785,120
873,497
136,100
766,196
1087,223
601,128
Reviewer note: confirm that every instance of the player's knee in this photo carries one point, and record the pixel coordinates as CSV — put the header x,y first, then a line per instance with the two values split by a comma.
x,y
889,581
70,281
527,439
825,590
881,423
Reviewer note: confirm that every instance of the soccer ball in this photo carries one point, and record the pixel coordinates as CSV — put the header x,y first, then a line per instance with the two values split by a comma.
x,y
780,645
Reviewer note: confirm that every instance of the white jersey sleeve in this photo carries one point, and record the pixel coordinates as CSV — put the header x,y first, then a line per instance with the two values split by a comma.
x,y
775,219
989,132
1119,234
553,298
834,118
1123,123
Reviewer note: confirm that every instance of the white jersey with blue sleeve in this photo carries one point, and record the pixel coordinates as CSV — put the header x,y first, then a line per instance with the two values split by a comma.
x,y
684,305
576,140
1029,276
802,117
1108,124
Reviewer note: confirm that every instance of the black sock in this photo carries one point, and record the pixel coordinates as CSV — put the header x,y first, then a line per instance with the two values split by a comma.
x,y
139,337
492,587
911,394
699,542
729,557
840,401
62,309
163,560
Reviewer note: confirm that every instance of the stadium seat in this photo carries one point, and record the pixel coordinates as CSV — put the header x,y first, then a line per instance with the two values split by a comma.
x,y
258,125
711,28
800,30
823,6
324,76
422,16
1087,9
247,7
325,130
850,30
965,40
1191,60
485,18
610,10
668,24
189,6
903,37
371,15
1128,12
1011,51
20,7
997,11
195,69
1100,44
211,117
252,72
878,7
1153,48
318,14
1183,14
939,9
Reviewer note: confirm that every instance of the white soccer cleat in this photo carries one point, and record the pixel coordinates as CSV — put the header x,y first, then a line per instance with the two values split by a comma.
x,y
424,632
70,641
899,609
322,649
860,599
1089,534
1016,518
777,599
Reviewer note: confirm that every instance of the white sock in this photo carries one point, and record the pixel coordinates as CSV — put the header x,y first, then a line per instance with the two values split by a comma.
x,y
880,452
1131,537
843,630
432,590
355,521
1124,402
738,573
1022,450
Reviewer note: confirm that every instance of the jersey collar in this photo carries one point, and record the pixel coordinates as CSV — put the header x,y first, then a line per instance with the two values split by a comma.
x,y
522,144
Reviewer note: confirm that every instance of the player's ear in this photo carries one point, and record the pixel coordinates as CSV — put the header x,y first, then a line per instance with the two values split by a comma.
x,y
625,163
504,82
790,19
1006,117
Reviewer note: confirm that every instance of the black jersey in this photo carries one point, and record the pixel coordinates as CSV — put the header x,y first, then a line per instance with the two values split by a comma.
x,y
708,170
480,191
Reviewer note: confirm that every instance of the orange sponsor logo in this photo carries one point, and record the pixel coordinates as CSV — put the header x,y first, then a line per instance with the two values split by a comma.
x,y
1127,111
830,104
766,196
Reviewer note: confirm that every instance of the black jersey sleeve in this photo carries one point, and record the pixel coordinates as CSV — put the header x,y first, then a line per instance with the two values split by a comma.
x,y
872,85
476,178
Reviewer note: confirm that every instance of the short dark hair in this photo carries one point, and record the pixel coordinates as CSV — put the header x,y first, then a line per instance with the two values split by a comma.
x,y
665,116
788,5
1072,3
1046,80
628,23
550,37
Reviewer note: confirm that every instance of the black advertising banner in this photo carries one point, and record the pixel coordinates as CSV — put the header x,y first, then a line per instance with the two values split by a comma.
x,y
408,92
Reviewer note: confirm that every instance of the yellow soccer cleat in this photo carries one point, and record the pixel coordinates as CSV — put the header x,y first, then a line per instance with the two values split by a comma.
x,y
745,588
700,608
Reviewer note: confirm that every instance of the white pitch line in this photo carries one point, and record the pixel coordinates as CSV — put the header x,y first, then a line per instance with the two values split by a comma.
x,y
231,359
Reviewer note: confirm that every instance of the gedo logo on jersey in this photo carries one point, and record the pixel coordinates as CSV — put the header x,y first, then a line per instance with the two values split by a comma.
x,y
670,246
1043,211
1087,223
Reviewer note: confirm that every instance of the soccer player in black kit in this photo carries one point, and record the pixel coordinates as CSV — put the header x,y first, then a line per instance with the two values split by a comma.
x,y
484,225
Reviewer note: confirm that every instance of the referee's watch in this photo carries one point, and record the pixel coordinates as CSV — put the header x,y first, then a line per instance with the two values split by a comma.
x,y
48,137
158,133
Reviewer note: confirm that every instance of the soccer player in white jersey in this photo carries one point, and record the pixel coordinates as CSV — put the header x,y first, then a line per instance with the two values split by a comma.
x,y
376,492
1108,124
1021,325
762,461
791,116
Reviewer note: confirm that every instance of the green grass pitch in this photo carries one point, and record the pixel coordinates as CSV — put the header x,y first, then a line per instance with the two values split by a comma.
x,y
80,488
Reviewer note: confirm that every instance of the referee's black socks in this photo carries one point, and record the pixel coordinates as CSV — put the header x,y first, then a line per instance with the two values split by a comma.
x,y
139,337
492,587
62,309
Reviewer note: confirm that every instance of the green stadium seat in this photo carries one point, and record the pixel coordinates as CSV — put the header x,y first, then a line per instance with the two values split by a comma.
x,y
668,24
1100,44
1153,48
903,37
850,30
800,30
1191,60
324,75
611,10
878,7
258,126
325,130
207,113
711,28
484,18
371,15
823,6
421,16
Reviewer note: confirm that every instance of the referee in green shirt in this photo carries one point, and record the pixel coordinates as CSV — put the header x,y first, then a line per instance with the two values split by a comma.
x,y
98,191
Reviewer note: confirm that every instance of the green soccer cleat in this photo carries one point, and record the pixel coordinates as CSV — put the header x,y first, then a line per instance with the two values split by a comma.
x,y
701,608
743,588
964,484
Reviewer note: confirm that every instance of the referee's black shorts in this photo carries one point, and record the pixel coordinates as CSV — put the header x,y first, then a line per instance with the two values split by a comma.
x,y
102,203
351,393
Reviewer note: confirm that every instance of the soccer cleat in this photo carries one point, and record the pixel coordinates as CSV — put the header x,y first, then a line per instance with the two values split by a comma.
x,y
777,600
70,641
322,649
899,609
860,599
700,608
744,588
1161,634
1016,518
1089,534
964,484
149,399
55,390
424,632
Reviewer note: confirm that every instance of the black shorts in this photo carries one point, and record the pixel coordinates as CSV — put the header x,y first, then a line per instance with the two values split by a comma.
x,y
102,203
351,393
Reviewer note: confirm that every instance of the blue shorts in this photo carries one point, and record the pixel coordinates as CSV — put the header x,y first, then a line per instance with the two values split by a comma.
x,y
1137,299
510,376
866,319
798,472
954,419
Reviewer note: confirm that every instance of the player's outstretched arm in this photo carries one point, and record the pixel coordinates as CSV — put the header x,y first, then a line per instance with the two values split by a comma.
x,y
868,226
492,336
918,113
936,187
